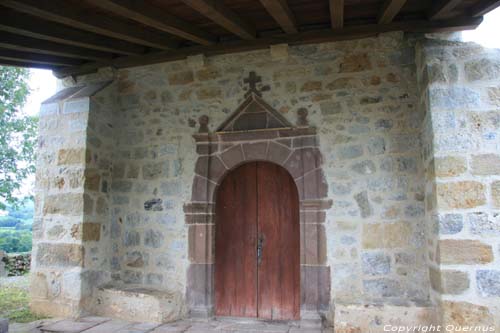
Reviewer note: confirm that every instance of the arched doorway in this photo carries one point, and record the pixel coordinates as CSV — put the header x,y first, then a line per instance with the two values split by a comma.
x,y
257,244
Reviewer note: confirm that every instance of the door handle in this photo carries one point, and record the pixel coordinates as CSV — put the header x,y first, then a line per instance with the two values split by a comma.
x,y
260,246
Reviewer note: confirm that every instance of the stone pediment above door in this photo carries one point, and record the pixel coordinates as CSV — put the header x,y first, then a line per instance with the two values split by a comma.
x,y
254,114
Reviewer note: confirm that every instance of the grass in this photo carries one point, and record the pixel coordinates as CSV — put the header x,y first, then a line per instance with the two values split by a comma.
x,y
14,305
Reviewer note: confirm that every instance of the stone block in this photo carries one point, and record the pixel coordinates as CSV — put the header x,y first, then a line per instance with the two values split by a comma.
x,y
364,168
463,251
482,69
255,151
155,170
382,287
91,232
461,314
315,287
312,244
449,166
144,304
485,165
201,243
181,78
153,205
483,224
279,51
454,98
153,238
64,204
277,153
450,282
60,255
350,152
376,263
203,189
355,63
495,194
210,167
364,204
450,224
488,283
464,194
73,156
302,161
232,156
199,291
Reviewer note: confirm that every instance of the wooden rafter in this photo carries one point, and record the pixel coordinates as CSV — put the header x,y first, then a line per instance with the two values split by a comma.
x,y
282,14
25,25
441,8
153,17
291,39
61,12
27,44
337,13
223,16
483,7
12,63
13,55
390,10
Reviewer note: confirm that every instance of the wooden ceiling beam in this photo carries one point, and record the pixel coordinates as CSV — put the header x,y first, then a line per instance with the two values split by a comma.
x,y
390,10
36,58
337,13
61,12
441,8
483,7
282,14
27,44
143,13
307,37
223,16
29,26
24,64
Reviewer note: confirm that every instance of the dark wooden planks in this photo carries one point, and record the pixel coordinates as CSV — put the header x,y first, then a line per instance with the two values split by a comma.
x,y
337,13
65,13
390,10
223,16
278,225
151,16
14,63
282,14
329,35
235,244
441,8
28,44
29,26
483,7
19,56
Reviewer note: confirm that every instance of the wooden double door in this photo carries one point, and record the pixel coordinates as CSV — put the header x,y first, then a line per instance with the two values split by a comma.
x,y
257,244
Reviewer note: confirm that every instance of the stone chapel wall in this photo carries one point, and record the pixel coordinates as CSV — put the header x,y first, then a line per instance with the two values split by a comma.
x,y
460,92
362,98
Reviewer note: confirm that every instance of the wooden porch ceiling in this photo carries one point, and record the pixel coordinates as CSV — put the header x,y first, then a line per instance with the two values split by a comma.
x,y
74,37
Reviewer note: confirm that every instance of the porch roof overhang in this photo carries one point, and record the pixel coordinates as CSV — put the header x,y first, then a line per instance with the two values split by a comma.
x,y
74,37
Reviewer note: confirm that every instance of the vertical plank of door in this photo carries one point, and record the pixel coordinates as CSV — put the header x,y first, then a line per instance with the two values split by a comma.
x,y
235,244
278,221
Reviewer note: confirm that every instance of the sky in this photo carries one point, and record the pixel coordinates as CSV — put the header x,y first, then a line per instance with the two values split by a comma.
x,y
43,83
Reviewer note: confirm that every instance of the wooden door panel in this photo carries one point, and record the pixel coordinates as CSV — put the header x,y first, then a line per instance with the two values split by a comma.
x,y
278,225
235,239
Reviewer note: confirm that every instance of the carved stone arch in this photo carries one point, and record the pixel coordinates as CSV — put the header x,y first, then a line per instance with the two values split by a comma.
x,y
269,137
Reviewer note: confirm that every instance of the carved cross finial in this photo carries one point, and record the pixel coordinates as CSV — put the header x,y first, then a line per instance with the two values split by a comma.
x,y
252,81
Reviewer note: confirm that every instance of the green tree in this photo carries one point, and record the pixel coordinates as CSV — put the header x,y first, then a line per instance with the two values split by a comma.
x,y
18,134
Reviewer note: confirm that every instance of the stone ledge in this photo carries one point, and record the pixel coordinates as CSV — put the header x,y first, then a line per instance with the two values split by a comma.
x,y
141,303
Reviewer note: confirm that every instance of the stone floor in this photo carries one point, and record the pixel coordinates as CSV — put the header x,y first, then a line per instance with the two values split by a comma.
x,y
107,325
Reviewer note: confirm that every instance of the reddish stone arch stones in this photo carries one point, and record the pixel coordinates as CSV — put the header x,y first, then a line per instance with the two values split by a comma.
x,y
296,150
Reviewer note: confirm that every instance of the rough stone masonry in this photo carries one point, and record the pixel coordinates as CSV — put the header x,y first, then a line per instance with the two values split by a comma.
x,y
408,129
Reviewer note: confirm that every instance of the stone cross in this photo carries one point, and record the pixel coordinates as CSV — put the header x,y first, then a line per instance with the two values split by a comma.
x,y
252,81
